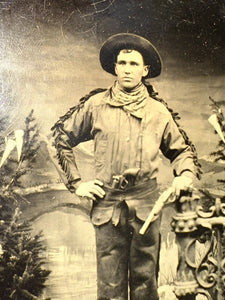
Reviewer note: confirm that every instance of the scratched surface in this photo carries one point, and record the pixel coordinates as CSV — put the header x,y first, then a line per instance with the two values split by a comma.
x,y
70,254
49,59
70,242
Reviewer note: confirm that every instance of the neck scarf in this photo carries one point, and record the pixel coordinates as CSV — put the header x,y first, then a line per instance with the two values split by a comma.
x,y
132,102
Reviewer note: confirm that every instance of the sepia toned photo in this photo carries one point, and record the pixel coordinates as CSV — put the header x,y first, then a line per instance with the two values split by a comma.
x,y
112,150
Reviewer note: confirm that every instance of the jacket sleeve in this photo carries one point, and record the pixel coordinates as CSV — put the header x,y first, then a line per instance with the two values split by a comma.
x,y
68,132
174,147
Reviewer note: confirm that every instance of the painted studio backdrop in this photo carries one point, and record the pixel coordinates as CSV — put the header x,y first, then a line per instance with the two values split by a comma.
x,y
49,60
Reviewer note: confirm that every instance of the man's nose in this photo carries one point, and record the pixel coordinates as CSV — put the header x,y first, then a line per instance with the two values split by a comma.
x,y
127,68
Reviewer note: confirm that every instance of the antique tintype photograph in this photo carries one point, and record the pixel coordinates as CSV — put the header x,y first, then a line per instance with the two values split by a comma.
x,y
112,150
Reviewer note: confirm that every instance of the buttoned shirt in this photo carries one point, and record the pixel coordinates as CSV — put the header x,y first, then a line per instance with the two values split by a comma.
x,y
123,141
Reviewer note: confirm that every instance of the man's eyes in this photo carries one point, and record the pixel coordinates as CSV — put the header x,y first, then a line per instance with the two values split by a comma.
x,y
132,63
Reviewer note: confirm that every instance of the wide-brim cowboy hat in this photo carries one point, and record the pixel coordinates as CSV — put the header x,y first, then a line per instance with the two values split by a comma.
x,y
112,46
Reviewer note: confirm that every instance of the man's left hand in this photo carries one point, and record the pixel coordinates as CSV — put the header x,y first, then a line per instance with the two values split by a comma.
x,y
182,183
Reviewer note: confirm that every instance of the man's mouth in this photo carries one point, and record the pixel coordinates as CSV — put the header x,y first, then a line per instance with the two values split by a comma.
x,y
127,78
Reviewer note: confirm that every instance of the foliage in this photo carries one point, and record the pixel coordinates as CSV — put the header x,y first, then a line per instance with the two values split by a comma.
x,y
219,154
22,275
21,272
11,172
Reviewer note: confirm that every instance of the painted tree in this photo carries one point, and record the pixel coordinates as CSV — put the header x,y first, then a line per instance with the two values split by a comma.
x,y
218,121
22,273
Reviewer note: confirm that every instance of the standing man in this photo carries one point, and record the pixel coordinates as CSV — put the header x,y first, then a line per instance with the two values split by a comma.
x,y
129,129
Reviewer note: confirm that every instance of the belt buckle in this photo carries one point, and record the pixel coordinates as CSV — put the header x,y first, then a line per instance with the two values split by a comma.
x,y
119,182
124,183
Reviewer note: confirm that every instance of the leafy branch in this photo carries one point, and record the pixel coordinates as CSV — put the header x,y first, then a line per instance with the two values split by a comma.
x,y
216,106
22,275
29,151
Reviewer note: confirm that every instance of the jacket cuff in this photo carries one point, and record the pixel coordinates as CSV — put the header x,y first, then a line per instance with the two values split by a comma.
x,y
188,173
73,185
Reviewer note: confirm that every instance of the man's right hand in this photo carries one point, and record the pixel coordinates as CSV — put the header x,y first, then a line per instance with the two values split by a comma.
x,y
90,189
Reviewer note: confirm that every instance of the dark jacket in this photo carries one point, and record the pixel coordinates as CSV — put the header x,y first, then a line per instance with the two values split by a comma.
x,y
122,141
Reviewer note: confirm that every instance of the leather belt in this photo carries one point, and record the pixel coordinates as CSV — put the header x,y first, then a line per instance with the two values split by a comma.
x,y
138,191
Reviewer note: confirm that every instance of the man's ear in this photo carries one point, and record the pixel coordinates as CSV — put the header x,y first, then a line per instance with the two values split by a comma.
x,y
115,68
146,70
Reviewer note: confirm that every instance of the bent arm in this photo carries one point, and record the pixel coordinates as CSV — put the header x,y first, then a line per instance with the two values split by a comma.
x,y
67,134
179,153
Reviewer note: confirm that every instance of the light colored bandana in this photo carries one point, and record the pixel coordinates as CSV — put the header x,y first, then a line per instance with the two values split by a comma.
x,y
132,102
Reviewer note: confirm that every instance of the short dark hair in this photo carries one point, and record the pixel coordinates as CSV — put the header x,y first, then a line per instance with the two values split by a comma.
x,y
115,55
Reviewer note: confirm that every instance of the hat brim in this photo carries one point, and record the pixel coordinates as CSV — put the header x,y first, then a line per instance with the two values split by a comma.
x,y
113,45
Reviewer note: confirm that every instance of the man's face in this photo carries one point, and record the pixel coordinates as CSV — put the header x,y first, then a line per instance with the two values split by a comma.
x,y
130,68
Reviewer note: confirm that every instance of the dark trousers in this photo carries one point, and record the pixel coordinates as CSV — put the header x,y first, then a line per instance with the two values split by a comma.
x,y
126,258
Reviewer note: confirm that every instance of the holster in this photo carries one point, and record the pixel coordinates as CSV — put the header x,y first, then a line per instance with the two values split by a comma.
x,y
139,198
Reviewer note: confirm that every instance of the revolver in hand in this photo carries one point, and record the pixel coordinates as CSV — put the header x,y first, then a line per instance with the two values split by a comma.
x,y
126,179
